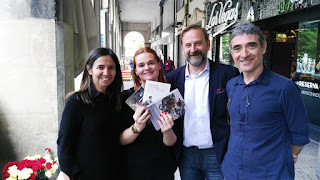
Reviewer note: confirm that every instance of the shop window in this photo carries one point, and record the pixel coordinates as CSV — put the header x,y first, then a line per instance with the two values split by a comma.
x,y
224,55
307,75
308,66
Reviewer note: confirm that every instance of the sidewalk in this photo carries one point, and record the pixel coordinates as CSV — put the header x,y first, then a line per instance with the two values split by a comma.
x,y
307,164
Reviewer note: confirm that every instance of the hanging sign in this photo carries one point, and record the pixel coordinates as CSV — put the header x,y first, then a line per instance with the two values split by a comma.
x,y
223,15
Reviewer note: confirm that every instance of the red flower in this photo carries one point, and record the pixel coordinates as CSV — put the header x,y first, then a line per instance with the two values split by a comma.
x,y
10,164
36,166
39,165
5,173
48,165
32,177
42,160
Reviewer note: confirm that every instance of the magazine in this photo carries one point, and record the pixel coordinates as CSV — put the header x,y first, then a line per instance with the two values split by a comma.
x,y
154,90
171,103
135,99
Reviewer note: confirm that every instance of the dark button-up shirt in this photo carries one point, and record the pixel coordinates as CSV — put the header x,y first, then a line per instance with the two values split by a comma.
x,y
267,116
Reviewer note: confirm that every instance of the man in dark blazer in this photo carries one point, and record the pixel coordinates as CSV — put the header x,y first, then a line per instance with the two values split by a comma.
x,y
205,131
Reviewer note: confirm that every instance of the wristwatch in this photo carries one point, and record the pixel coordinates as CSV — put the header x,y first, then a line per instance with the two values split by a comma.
x,y
134,130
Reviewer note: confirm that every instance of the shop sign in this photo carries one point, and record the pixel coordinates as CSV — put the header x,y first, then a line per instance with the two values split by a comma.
x,y
309,85
310,93
223,15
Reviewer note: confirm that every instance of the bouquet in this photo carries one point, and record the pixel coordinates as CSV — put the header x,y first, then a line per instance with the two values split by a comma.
x,y
32,167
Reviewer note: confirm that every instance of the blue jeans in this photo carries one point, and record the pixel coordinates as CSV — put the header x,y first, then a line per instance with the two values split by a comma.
x,y
199,164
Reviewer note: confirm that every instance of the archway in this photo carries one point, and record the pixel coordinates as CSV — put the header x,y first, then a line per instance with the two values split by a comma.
x,y
132,42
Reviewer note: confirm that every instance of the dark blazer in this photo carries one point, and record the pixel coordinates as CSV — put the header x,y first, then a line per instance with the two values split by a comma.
x,y
220,74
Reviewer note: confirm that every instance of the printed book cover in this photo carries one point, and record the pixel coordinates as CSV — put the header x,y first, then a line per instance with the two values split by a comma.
x,y
154,90
135,99
171,103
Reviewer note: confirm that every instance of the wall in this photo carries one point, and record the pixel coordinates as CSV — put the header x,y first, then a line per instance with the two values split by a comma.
x,y
168,14
196,4
28,78
143,28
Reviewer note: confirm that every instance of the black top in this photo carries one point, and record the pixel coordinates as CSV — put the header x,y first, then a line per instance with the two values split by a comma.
x,y
88,142
146,158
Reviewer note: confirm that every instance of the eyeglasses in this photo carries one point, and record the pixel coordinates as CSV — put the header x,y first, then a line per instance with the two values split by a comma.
x,y
239,122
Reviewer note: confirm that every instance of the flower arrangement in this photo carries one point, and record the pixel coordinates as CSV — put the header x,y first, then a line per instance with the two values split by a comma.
x,y
32,167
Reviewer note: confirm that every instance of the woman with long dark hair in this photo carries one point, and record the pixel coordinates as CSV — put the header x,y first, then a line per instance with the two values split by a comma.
x,y
147,153
88,142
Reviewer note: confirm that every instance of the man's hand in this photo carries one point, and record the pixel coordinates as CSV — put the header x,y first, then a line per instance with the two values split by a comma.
x,y
295,158
295,152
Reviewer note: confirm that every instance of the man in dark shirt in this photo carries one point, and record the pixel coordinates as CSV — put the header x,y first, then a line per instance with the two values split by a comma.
x,y
268,120
169,65
205,131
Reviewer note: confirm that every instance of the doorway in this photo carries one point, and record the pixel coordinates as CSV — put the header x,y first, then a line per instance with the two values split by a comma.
x,y
284,50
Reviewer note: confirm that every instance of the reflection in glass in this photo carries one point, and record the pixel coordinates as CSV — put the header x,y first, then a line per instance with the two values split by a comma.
x,y
307,54
224,50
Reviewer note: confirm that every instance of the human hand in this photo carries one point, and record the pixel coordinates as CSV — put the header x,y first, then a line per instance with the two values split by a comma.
x,y
295,158
140,117
165,122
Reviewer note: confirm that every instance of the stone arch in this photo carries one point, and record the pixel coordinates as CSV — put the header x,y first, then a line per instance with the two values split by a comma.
x,y
130,42
143,28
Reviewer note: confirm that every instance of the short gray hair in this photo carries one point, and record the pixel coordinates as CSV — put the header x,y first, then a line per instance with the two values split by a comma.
x,y
246,28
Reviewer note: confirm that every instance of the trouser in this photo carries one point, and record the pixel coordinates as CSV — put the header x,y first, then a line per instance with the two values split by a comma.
x,y
199,164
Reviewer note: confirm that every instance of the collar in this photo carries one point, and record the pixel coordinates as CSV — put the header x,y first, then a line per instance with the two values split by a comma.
x,y
98,93
263,78
206,68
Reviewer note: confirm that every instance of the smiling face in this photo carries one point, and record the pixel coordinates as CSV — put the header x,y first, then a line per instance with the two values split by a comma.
x,y
247,54
194,46
147,67
103,72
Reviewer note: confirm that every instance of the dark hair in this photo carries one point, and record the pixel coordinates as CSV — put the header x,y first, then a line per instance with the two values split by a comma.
x,y
135,77
195,26
246,28
87,89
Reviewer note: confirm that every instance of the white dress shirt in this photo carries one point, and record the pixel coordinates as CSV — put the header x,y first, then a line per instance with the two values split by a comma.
x,y
197,117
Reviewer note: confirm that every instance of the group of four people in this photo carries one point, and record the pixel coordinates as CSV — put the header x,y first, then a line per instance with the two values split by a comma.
x,y
237,126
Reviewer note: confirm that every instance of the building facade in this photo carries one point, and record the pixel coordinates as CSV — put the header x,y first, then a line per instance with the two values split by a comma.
x,y
43,47
291,28
292,32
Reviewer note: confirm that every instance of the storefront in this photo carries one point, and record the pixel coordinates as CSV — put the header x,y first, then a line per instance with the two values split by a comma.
x,y
221,17
294,46
292,30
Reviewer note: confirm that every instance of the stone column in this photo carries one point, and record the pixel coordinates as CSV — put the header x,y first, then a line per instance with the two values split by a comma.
x,y
33,75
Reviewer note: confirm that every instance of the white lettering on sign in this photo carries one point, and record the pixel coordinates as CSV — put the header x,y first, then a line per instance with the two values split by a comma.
x,y
312,94
310,85
223,16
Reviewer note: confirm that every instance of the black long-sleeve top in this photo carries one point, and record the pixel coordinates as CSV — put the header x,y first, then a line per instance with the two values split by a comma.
x,y
88,142
147,157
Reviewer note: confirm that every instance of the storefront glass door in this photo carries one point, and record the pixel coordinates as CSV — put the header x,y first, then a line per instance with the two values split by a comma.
x,y
307,75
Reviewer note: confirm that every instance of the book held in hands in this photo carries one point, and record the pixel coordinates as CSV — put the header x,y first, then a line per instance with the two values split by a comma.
x,y
154,90
135,99
171,103
158,98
